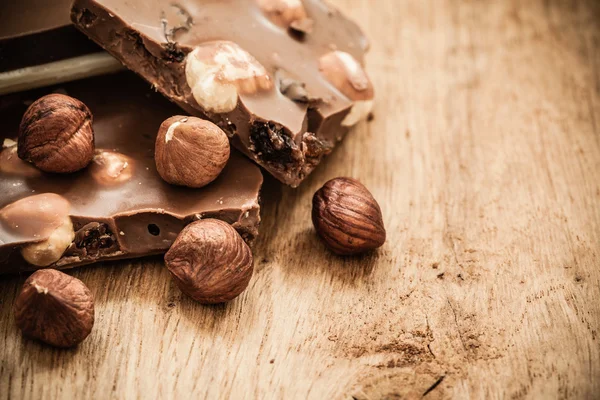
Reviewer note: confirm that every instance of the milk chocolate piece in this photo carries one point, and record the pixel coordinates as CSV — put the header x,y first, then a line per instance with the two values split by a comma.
x,y
119,206
290,113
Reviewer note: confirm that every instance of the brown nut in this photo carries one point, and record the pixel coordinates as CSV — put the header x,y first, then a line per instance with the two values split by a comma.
x,y
346,74
283,12
55,308
44,218
210,262
217,72
190,151
111,168
347,217
56,134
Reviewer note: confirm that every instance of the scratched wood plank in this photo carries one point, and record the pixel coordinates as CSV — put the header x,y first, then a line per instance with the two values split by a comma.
x,y
485,156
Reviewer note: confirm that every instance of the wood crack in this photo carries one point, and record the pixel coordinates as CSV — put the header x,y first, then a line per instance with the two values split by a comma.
x,y
462,341
435,384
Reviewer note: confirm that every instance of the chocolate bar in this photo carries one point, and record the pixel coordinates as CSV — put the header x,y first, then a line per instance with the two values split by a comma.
x,y
119,206
40,46
283,78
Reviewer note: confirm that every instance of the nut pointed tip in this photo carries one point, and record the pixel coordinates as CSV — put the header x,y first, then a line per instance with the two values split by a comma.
x,y
40,288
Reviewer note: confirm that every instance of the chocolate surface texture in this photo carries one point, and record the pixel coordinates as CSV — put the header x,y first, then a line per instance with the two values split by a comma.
x,y
119,206
290,112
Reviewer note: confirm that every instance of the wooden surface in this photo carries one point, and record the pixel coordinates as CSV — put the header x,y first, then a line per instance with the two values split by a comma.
x,y
485,157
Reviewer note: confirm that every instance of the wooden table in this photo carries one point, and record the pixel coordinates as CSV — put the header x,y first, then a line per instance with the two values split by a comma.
x,y
485,157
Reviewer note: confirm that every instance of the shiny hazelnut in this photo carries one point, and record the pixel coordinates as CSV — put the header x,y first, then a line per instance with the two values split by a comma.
x,y
56,134
347,217
55,308
44,220
217,72
210,262
190,151
346,74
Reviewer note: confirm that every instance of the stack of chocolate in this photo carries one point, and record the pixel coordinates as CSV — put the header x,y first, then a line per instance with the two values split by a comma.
x,y
282,78
106,168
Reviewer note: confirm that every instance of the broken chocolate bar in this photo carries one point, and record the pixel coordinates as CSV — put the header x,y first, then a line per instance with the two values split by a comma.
x,y
118,207
283,78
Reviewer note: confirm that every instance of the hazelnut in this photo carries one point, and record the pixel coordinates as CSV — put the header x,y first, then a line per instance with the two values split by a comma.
x,y
217,71
56,134
110,167
44,216
210,262
55,308
283,13
346,74
190,151
347,217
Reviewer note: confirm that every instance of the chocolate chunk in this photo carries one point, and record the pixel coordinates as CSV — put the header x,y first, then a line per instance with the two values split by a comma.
x,y
222,60
118,205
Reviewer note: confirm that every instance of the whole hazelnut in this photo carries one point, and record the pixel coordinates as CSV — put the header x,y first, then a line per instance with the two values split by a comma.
x,y
190,151
55,308
347,217
56,134
210,262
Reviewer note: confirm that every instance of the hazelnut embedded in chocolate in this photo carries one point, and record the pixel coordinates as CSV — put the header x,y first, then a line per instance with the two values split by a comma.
x,y
111,167
347,217
346,74
210,262
190,151
55,308
45,219
56,134
217,72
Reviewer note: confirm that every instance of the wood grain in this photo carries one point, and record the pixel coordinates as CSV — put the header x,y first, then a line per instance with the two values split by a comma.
x,y
485,157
